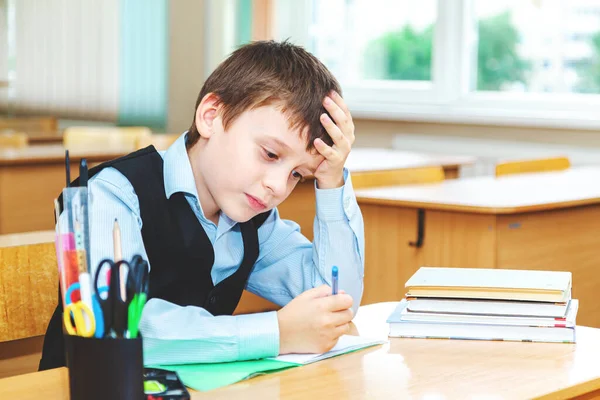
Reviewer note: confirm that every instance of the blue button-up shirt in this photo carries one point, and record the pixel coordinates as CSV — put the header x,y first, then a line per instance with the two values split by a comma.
x,y
287,265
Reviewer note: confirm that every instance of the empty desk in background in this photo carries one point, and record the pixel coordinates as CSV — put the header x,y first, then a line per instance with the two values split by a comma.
x,y
543,221
370,167
401,369
37,138
31,177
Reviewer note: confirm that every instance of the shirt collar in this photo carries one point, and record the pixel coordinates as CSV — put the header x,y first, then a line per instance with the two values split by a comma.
x,y
179,177
177,170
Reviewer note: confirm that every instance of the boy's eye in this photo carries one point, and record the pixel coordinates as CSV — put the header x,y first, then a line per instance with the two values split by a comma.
x,y
297,175
270,155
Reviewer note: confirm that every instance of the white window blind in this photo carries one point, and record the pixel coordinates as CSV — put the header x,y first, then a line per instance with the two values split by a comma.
x,y
66,58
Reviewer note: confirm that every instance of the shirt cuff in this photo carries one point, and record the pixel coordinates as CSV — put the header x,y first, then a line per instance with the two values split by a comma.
x,y
332,204
258,335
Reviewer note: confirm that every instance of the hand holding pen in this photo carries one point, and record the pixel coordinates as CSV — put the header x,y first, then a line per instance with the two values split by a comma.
x,y
313,321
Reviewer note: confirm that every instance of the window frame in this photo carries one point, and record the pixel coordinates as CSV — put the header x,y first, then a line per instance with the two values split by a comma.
x,y
448,96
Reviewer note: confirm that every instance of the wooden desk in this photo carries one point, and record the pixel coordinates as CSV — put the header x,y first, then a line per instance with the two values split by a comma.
x,y
401,369
30,178
43,138
544,221
373,167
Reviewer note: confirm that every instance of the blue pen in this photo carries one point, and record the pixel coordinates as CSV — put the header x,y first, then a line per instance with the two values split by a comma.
x,y
334,280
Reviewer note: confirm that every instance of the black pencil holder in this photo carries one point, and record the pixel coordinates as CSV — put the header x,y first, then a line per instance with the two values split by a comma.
x,y
111,368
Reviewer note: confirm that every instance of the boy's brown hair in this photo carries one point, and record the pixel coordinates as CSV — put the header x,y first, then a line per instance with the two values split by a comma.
x,y
268,72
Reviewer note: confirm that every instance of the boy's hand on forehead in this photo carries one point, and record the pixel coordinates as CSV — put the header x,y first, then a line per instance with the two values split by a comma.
x,y
330,173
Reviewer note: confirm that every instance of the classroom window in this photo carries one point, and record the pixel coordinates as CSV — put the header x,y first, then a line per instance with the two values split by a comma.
x,y
359,42
538,46
507,62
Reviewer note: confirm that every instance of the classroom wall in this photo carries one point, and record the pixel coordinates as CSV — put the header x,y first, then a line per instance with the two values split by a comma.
x,y
186,63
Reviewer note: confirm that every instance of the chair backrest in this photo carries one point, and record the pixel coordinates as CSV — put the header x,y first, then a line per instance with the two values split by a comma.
x,y
161,141
28,285
406,176
92,137
13,139
33,124
534,165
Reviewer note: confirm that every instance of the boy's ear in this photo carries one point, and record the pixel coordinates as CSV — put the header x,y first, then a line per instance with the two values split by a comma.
x,y
206,113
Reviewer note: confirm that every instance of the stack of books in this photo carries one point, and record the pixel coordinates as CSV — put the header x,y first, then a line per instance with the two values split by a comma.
x,y
487,304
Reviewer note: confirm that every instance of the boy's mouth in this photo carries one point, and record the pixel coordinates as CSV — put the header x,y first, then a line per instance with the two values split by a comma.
x,y
255,204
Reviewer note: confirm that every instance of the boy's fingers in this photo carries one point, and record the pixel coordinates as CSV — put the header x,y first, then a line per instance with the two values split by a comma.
x,y
338,302
349,123
340,102
342,329
334,131
342,317
323,149
320,291
338,115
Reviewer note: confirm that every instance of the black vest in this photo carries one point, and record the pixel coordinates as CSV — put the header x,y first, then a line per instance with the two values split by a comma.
x,y
179,251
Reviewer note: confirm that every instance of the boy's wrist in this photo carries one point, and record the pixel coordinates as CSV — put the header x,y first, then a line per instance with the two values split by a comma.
x,y
331,182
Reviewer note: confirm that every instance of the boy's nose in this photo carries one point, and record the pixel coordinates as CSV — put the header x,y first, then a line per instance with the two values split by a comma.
x,y
276,183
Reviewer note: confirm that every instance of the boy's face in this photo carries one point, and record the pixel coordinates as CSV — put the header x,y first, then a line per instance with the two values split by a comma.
x,y
254,165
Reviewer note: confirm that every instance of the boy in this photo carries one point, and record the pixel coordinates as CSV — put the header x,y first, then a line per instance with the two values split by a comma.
x,y
204,215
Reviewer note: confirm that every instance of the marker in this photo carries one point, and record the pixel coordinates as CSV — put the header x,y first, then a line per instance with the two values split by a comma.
x,y
334,280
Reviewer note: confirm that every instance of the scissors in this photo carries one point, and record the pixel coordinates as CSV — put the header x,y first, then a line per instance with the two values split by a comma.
x,y
114,307
137,292
78,316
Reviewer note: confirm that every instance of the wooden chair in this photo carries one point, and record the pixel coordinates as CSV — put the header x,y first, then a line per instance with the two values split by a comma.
x,y
28,296
28,285
34,124
406,176
86,137
536,165
13,139
161,141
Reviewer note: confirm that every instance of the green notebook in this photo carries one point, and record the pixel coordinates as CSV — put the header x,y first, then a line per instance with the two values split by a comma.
x,y
205,377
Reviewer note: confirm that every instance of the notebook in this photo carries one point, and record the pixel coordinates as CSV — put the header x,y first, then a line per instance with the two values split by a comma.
x,y
205,377
345,344
530,320
487,307
499,284
447,330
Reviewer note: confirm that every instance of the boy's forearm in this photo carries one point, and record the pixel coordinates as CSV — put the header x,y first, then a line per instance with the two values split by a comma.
x,y
339,238
178,335
337,244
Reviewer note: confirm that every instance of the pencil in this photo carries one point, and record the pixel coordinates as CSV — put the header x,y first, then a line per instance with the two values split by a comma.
x,y
117,241
118,257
